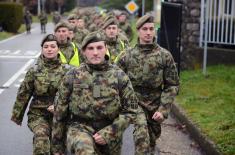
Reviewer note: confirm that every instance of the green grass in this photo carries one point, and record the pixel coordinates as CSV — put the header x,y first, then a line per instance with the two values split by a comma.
x,y
5,35
210,102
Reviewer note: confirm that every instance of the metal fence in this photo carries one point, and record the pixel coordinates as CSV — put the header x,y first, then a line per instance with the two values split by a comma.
x,y
217,22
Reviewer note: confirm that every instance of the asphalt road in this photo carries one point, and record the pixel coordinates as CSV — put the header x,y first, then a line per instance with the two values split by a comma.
x,y
16,56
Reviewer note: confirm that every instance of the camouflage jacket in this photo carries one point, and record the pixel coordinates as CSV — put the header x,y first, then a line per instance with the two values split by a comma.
x,y
115,47
94,93
43,18
126,28
80,34
67,50
41,82
153,74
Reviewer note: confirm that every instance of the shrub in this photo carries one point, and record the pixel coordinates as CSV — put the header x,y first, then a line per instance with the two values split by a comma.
x,y
11,16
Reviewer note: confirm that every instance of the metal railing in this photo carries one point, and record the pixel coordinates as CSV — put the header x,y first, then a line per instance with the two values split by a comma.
x,y
220,16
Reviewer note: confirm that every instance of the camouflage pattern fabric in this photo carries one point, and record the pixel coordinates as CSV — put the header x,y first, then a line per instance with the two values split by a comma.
x,y
126,28
41,82
155,80
67,50
80,34
93,98
141,134
93,27
43,18
116,46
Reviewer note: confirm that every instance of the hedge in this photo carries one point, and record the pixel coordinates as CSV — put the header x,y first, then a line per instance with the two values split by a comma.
x,y
11,16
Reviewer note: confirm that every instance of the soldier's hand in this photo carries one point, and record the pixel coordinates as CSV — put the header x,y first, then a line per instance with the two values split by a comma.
x,y
51,108
99,139
158,116
16,121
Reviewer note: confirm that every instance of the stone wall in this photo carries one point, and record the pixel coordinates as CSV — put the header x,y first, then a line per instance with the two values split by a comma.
x,y
190,32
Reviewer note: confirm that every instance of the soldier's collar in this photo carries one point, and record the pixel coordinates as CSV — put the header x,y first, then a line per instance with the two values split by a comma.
x,y
100,67
49,62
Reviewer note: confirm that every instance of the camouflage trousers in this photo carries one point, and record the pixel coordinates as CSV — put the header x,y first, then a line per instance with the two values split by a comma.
x,y
81,142
41,128
154,129
141,134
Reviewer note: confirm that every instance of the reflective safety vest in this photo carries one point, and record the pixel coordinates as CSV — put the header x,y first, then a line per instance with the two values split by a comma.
x,y
75,59
112,56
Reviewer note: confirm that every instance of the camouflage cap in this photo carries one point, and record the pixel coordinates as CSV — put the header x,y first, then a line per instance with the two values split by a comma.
x,y
61,24
49,37
111,21
92,37
72,17
144,19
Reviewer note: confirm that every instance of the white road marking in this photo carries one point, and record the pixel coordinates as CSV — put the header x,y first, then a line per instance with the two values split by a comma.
x,y
18,56
1,90
17,74
21,80
16,52
30,52
17,85
6,51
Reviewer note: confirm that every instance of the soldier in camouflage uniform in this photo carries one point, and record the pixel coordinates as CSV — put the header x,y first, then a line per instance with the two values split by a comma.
x,y
56,17
82,25
79,34
153,74
96,23
43,21
41,83
96,101
69,51
124,25
115,43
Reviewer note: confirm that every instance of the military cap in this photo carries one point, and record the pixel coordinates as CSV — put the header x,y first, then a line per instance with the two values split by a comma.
x,y
123,13
71,28
144,19
111,21
49,37
92,37
108,17
61,24
72,17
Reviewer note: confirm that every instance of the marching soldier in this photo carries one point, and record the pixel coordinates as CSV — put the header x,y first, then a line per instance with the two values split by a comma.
x,y
154,76
95,102
41,84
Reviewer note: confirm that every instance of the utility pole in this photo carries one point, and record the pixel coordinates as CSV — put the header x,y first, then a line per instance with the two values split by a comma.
x,y
143,7
39,7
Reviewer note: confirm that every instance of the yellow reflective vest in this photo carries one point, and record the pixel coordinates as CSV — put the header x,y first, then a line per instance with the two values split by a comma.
x,y
75,59
113,59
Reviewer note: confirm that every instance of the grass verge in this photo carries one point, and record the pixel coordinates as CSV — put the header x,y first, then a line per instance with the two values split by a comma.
x,y
5,35
210,102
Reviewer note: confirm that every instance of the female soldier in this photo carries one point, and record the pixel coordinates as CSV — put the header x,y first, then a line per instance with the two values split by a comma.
x,y
41,83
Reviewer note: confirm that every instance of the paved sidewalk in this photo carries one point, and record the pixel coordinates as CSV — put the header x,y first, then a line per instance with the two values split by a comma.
x,y
174,140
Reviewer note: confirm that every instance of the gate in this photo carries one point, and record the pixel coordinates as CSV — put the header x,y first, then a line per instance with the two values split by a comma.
x,y
217,24
170,30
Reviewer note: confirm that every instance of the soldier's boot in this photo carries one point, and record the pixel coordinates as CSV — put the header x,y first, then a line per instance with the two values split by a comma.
x,y
41,145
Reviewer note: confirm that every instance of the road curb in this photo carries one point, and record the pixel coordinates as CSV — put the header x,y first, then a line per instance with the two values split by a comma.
x,y
206,144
